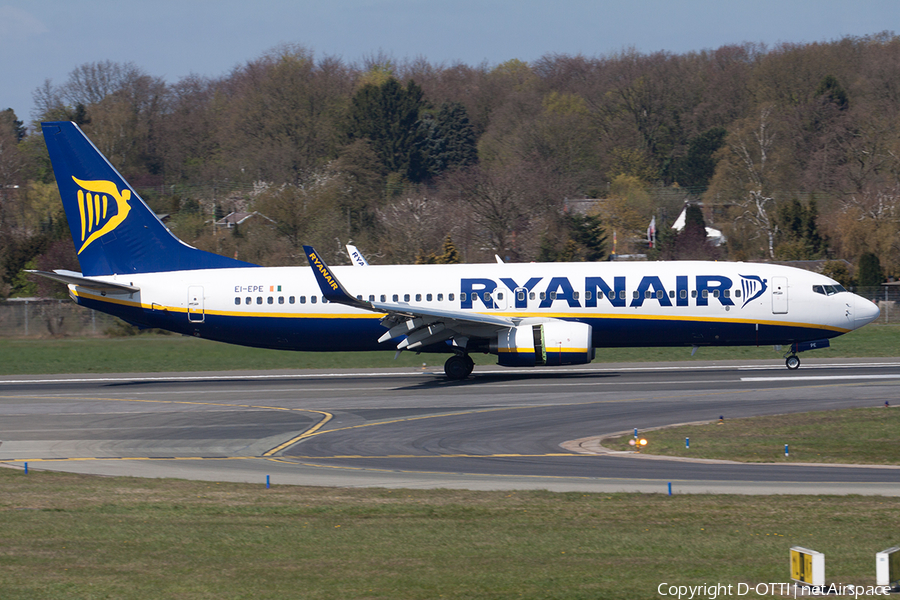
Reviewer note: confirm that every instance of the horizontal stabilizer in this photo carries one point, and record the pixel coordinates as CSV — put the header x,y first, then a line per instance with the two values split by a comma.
x,y
72,278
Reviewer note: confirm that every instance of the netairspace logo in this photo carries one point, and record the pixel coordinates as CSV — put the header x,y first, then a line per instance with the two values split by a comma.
x,y
781,590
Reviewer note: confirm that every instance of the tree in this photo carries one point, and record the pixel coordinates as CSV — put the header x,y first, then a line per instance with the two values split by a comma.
x,y
9,122
798,231
449,255
837,270
582,239
868,271
388,116
698,166
450,142
744,176
691,243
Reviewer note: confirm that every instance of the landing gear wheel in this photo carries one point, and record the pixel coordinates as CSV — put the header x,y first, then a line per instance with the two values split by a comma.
x,y
470,365
458,367
792,362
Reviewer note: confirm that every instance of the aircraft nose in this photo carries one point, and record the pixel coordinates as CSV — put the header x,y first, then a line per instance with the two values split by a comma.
x,y
866,311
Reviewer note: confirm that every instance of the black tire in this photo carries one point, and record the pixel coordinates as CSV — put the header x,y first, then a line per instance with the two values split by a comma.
x,y
792,362
470,365
457,367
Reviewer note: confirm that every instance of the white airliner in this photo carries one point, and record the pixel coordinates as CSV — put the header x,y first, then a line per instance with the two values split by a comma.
x,y
526,314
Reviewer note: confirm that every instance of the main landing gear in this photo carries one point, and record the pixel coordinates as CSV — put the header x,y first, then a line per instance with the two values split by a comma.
x,y
792,362
458,367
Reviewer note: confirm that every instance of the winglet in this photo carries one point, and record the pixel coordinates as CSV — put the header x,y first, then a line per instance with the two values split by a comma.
x,y
331,288
356,257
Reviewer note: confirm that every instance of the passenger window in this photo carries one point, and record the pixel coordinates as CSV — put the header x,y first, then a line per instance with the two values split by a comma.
x,y
693,293
487,296
418,297
726,293
462,297
737,293
371,297
671,293
259,299
270,300
621,294
635,294
406,297
520,296
450,297
440,297
531,296
659,293
313,299
280,299
237,301
706,293
715,293
383,298
576,295
291,300
588,295
683,294
302,299
396,298
543,295
648,294
248,300
428,297
499,295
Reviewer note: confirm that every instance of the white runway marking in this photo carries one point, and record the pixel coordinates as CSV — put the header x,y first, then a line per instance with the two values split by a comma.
x,y
819,377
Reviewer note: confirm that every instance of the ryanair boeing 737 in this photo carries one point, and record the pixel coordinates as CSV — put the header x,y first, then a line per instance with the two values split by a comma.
x,y
526,314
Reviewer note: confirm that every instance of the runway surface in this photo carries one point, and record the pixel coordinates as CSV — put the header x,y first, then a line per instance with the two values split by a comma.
x,y
500,429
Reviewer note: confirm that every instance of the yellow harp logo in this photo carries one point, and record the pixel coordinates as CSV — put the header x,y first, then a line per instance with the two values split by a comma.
x,y
97,217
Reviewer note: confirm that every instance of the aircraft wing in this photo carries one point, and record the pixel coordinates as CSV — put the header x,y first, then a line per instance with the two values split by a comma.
x,y
73,278
421,325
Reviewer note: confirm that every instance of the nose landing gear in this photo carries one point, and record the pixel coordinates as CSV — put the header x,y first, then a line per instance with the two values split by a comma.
x,y
790,357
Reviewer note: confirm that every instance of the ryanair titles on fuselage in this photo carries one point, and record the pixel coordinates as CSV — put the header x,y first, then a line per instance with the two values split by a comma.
x,y
598,289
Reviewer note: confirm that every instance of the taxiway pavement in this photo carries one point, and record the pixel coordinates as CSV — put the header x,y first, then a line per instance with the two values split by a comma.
x,y
500,429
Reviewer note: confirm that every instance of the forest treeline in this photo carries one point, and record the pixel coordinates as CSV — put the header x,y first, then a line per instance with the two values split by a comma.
x,y
792,151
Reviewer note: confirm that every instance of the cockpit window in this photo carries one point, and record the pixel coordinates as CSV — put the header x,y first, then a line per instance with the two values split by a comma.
x,y
828,290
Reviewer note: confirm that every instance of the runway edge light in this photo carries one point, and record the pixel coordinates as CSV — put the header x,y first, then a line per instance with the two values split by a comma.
x,y
887,567
807,566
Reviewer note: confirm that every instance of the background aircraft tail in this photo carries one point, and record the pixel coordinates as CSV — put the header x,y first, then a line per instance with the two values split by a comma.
x,y
113,230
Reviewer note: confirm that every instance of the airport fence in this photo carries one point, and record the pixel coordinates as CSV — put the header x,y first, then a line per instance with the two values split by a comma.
x,y
36,317
887,297
53,318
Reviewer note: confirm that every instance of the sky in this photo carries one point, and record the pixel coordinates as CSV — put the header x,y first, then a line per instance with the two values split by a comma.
x,y
48,39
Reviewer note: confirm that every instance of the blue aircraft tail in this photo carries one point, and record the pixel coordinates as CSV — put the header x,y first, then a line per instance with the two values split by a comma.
x,y
113,230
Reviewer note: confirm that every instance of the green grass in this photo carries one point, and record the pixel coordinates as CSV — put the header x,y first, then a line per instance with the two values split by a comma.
x,y
852,436
160,353
76,536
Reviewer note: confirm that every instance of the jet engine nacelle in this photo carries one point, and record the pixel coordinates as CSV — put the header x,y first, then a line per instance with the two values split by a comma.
x,y
552,343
